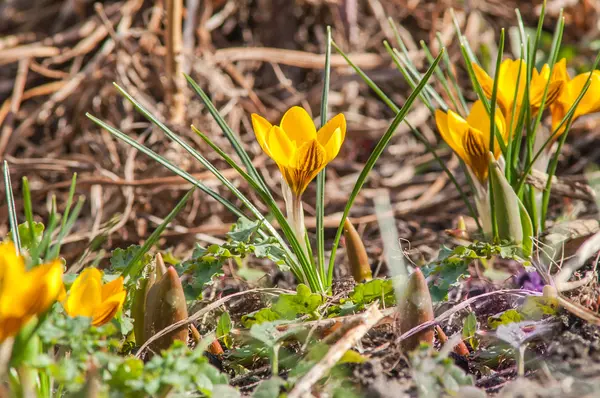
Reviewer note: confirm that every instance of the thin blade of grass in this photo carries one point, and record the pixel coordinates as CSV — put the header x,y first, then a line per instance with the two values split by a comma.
x,y
175,138
451,73
27,209
159,159
12,212
416,133
440,76
231,136
381,145
492,115
134,266
65,228
407,76
320,202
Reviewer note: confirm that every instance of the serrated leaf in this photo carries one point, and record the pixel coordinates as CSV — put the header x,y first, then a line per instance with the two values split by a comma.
x,y
303,302
120,258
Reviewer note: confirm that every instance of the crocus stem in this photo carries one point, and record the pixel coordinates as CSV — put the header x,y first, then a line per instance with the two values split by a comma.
x,y
296,219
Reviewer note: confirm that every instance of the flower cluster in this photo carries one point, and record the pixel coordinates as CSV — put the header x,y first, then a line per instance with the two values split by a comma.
x,y
25,294
469,138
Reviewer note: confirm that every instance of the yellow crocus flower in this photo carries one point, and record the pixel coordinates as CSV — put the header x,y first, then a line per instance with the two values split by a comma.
x,y
590,102
507,86
470,139
299,150
25,294
90,298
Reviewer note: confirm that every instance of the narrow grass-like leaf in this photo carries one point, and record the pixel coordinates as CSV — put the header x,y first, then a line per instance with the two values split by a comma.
x,y
320,202
68,222
492,114
231,136
39,252
511,124
12,212
65,217
377,151
174,137
440,75
134,266
566,120
538,34
159,159
407,76
451,73
416,133
27,209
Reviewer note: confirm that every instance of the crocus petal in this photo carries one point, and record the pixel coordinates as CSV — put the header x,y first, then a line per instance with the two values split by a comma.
x,y
452,135
280,146
107,309
590,102
475,146
331,136
560,71
261,128
479,120
485,81
46,287
307,162
85,294
338,122
112,288
298,126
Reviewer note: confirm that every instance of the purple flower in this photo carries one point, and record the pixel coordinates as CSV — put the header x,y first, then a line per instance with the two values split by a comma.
x,y
530,281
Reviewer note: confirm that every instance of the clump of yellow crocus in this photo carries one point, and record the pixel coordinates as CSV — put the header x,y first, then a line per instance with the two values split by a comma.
x,y
590,102
301,152
470,138
511,71
89,297
25,294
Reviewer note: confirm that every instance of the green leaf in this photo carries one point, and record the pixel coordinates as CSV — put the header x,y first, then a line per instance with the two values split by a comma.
x,y
303,302
260,316
26,235
377,289
470,329
269,388
243,230
224,328
510,316
121,257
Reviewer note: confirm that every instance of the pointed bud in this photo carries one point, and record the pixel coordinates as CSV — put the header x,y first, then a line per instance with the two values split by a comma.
x,y
512,218
357,255
416,308
165,305
138,306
